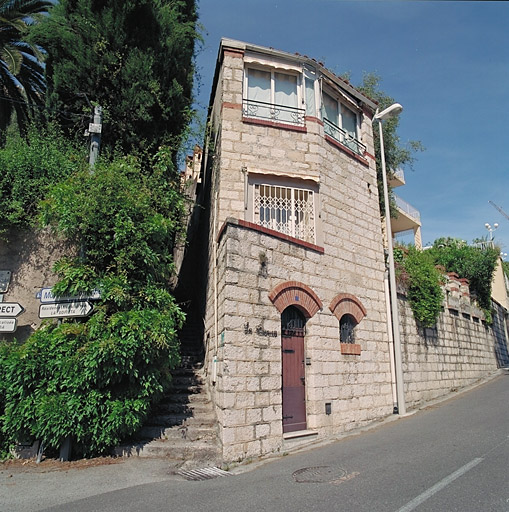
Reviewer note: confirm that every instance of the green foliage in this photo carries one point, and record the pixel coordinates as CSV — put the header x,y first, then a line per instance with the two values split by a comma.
x,y
475,264
133,58
21,68
397,154
505,268
424,291
96,378
418,271
125,219
29,167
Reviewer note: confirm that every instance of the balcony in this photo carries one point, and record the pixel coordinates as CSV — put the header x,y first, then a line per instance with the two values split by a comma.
x,y
345,139
278,114
408,217
397,178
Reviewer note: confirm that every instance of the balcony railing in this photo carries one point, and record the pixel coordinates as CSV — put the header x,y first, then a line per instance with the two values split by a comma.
x,y
399,173
407,208
276,113
344,138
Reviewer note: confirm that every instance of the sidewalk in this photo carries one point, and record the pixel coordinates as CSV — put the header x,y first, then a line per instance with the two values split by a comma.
x,y
28,487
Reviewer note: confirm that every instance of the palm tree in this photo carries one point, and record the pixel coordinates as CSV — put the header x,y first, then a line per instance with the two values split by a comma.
x,y
22,81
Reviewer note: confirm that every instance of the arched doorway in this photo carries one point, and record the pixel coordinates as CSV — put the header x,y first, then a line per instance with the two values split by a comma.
x,y
293,367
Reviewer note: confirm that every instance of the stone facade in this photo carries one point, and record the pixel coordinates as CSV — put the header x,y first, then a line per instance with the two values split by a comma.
x,y
243,275
254,272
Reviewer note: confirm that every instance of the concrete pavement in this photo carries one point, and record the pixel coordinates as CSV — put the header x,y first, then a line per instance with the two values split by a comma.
x,y
34,488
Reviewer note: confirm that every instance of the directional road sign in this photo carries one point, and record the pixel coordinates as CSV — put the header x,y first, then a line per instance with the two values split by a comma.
x,y
10,309
46,296
65,309
8,324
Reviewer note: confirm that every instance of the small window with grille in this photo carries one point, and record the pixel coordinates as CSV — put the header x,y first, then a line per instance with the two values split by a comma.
x,y
289,210
347,329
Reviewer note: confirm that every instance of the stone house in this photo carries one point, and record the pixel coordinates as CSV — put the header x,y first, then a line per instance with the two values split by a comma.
x,y
287,271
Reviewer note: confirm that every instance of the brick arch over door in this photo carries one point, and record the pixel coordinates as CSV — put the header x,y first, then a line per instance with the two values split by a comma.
x,y
345,303
294,293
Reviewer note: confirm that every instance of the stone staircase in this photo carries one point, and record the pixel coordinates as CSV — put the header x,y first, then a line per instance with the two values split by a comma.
x,y
182,426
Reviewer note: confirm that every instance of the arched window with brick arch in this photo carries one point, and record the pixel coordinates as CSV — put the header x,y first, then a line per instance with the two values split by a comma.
x,y
349,310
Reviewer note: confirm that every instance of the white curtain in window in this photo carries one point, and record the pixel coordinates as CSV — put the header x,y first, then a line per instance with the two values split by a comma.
x,y
330,107
258,85
285,90
349,121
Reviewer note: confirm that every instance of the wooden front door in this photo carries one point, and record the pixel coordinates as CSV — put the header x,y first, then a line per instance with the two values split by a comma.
x,y
294,383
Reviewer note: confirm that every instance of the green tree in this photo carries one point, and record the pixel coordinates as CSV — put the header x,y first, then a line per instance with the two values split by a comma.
x,y
30,166
397,154
21,69
134,58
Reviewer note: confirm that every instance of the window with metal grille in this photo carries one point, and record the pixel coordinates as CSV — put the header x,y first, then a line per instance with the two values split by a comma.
x,y
285,209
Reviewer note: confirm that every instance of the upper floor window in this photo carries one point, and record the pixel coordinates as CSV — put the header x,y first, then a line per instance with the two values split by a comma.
x,y
340,123
273,96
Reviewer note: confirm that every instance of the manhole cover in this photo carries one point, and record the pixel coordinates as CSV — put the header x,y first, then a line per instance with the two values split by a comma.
x,y
318,474
203,474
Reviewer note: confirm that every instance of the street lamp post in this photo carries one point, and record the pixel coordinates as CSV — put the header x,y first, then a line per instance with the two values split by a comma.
x,y
392,111
491,229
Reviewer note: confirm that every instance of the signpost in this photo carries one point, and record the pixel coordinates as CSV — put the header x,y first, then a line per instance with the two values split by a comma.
x,y
10,309
46,296
65,309
5,279
8,324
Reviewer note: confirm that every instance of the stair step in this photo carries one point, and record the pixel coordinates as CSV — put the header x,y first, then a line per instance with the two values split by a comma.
x,y
179,419
187,432
178,397
173,449
189,409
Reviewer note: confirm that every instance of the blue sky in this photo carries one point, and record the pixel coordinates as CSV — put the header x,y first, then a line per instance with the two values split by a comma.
x,y
446,62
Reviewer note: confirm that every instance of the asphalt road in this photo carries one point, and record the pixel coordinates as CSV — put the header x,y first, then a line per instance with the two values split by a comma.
x,y
450,457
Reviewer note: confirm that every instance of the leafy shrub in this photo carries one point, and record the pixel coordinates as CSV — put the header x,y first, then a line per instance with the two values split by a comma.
x,y
475,264
96,378
29,168
419,272
424,292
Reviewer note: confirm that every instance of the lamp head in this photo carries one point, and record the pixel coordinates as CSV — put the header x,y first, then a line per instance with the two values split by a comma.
x,y
394,110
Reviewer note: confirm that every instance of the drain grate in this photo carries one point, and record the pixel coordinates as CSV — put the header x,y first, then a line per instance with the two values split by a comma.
x,y
196,475
318,474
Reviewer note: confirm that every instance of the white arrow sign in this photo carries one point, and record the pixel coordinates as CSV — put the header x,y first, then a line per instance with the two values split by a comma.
x,y
46,296
8,324
65,309
10,309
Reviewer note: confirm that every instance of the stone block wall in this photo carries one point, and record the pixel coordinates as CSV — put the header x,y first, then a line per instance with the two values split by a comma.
x,y
461,350
29,255
247,392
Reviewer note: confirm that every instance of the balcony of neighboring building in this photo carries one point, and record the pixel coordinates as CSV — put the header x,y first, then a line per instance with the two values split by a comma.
x,y
397,178
409,219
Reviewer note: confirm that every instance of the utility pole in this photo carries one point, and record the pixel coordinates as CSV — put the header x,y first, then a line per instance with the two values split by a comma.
x,y
95,129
